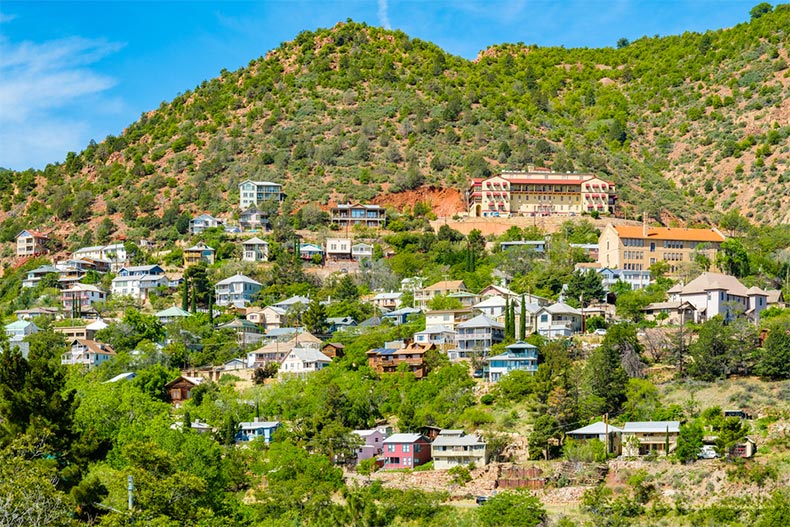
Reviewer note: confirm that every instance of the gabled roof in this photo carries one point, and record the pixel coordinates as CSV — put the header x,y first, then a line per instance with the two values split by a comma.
x,y
260,182
308,355
288,302
205,216
561,308
20,324
492,301
713,281
94,347
669,233
446,285
200,247
404,438
403,311
97,325
654,427
193,380
597,428
33,233
435,330
481,321
365,433
256,241
238,278
392,295
170,312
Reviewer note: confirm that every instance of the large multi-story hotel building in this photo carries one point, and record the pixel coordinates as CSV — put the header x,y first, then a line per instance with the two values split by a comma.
x,y
540,191
637,247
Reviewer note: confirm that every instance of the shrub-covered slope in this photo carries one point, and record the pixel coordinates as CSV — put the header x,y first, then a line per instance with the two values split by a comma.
x,y
685,125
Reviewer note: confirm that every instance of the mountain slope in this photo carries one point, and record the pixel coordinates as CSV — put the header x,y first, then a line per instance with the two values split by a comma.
x,y
685,125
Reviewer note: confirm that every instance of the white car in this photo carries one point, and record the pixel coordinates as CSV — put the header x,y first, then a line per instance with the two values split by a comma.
x,y
707,452
600,331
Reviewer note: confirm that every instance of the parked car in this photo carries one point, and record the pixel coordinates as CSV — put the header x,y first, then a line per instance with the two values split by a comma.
x,y
600,331
482,499
707,452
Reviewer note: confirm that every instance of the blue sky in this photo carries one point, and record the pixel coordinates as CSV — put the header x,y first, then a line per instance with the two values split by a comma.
x,y
75,71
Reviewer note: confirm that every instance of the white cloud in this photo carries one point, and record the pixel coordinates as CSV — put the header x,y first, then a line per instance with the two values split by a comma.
x,y
41,81
5,17
384,16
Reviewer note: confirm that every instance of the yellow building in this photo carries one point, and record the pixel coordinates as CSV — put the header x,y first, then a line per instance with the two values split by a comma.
x,y
636,248
540,191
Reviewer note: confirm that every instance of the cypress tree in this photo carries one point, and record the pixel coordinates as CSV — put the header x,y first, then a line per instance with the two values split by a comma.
x,y
507,318
194,301
523,321
512,320
211,306
185,295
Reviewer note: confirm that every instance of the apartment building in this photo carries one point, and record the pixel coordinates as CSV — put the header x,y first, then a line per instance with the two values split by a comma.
x,y
539,191
636,248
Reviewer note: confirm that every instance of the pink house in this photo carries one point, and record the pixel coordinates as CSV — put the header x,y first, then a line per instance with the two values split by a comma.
x,y
372,446
406,451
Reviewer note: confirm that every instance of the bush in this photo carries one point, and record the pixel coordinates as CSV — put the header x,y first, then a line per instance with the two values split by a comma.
x,y
487,399
459,475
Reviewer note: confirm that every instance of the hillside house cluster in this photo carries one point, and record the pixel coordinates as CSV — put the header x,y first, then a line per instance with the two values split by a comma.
x,y
447,449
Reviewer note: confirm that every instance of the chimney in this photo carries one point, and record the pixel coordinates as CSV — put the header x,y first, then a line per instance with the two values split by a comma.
x,y
644,225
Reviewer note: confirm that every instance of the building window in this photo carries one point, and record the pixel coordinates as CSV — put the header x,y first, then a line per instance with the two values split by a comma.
x,y
390,448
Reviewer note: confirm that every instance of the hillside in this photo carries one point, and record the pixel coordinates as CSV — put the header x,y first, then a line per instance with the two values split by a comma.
x,y
687,126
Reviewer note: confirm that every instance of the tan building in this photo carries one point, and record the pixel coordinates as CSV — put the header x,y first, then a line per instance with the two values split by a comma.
x,y
31,243
200,253
636,248
643,437
539,191
443,288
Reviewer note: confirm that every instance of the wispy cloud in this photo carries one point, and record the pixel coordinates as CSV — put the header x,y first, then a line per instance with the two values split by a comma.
x,y
40,81
384,16
6,17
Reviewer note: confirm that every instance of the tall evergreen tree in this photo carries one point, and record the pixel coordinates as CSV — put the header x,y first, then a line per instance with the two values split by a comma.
x,y
185,296
522,320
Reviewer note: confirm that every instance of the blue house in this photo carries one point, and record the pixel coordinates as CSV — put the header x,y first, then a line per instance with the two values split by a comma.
x,y
518,356
401,316
257,428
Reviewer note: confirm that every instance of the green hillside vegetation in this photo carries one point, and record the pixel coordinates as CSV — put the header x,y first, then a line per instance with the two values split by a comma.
x,y
685,125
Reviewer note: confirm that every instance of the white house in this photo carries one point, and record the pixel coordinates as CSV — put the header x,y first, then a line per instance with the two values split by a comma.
x,y
303,361
203,222
361,250
643,437
442,336
714,294
17,331
87,353
138,286
237,290
558,320
269,317
31,243
449,318
338,248
34,276
605,433
452,448
255,250
251,193
95,252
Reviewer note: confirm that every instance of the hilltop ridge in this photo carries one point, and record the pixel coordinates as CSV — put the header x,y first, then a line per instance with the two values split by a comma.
x,y
687,126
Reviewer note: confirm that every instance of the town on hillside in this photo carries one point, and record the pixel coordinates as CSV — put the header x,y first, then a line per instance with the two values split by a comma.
x,y
420,358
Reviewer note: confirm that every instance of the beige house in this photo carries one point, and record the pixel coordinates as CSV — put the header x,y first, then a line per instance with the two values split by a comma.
x,y
338,248
447,318
636,248
443,288
197,254
539,191
452,448
640,438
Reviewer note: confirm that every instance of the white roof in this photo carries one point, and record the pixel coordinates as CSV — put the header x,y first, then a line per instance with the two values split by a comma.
x,y
97,325
308,355
256,241
712,281
651,427
364,433
253,425
388,296
235,279
456,440
597,428
122,377
562,308
481,321
435,330
403,438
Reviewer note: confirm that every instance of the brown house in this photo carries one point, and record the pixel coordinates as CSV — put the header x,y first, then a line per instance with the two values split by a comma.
x,y
180,389
333,350
387,360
